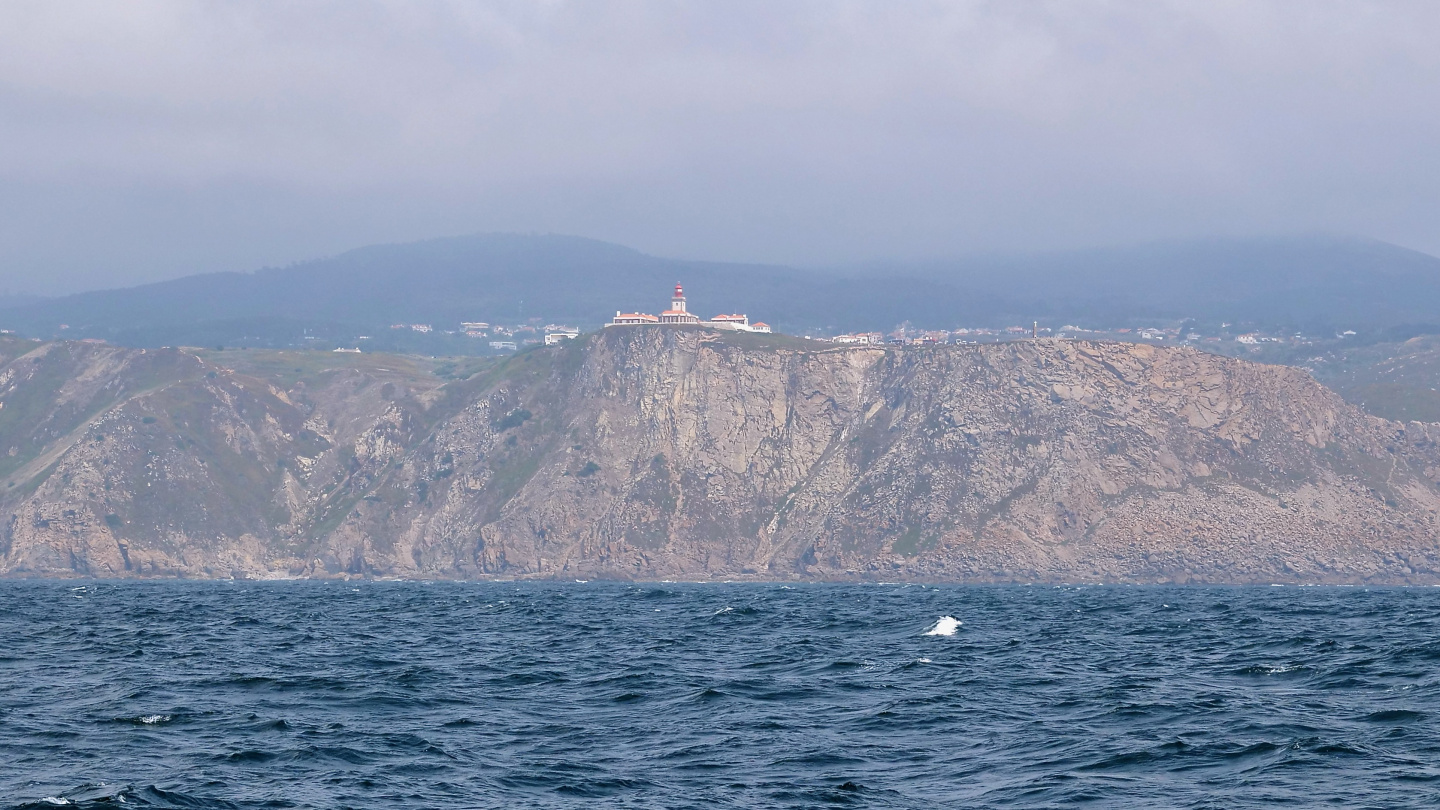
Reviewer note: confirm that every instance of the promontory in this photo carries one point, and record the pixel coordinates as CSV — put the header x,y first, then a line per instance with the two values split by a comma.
x,y
686,453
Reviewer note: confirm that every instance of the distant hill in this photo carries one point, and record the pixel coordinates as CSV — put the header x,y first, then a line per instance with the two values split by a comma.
x,y
508,278
1314,282
13,301
504,278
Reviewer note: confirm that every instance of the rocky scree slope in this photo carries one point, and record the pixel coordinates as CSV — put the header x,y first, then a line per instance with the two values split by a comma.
x,y
690,454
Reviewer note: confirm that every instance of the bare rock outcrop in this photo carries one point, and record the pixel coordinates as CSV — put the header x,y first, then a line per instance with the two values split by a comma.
x,y
691,454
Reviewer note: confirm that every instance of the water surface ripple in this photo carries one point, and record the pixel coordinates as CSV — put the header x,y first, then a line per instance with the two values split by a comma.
x,y
420,695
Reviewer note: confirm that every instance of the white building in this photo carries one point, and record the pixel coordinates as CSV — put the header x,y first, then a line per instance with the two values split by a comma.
x,y
739,322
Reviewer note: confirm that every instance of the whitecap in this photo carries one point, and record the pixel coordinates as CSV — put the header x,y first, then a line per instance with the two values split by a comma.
x,y
922,660
1279,669
944,626
726,609
55,800
155,719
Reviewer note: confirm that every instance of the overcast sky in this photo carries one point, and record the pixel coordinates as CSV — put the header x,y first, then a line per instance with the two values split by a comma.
x,y
144,140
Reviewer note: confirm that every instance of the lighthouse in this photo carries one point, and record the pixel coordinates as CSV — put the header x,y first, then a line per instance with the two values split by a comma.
x,y
677,313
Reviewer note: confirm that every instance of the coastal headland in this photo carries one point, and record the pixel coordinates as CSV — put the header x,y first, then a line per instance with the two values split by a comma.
x,y
684,452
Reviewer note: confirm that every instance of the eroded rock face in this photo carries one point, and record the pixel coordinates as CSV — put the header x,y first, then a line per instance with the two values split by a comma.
x,y
684,453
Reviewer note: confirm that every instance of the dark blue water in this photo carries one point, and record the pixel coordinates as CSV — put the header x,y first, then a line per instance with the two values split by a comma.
x,y
582,695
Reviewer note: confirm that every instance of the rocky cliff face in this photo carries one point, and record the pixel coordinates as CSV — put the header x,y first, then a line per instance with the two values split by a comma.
x,y
689,454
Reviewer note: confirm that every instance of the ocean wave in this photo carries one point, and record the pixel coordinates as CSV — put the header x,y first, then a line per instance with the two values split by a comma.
x,y
145,719
566,695
103,795
944,626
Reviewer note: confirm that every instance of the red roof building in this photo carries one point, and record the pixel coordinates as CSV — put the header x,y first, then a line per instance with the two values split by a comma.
x,y
632,318
679,314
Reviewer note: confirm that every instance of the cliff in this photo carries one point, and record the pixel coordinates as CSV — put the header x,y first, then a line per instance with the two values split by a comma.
x,y
690,454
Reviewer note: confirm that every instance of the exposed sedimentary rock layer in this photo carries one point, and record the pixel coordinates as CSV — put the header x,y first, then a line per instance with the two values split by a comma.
x,y
685,453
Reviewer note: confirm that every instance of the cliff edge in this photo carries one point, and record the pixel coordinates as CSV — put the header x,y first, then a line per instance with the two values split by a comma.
x,y
682,453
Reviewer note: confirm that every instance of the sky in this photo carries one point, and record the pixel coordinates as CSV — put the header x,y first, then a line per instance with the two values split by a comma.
x,y
152,139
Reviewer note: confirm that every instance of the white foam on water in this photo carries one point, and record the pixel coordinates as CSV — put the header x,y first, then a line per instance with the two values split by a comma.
x,y
154,719
922,660
944,626
726,609
55,800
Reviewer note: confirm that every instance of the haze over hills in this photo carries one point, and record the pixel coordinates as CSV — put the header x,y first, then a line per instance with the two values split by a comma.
x,y
1314,284
1310,283
494,277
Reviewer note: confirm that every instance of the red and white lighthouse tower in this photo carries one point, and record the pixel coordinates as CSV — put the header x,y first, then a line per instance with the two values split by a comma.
x,y
677,313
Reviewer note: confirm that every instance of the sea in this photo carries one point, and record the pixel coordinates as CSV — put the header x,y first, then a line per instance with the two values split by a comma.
x,y
673,695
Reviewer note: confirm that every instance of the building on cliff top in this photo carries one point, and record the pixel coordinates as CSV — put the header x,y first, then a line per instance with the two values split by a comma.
x,y
678,313
632,319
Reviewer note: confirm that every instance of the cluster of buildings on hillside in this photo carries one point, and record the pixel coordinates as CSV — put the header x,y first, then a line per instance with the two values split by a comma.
x,y
908,335
503,337
511,338
1177,335
679,315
